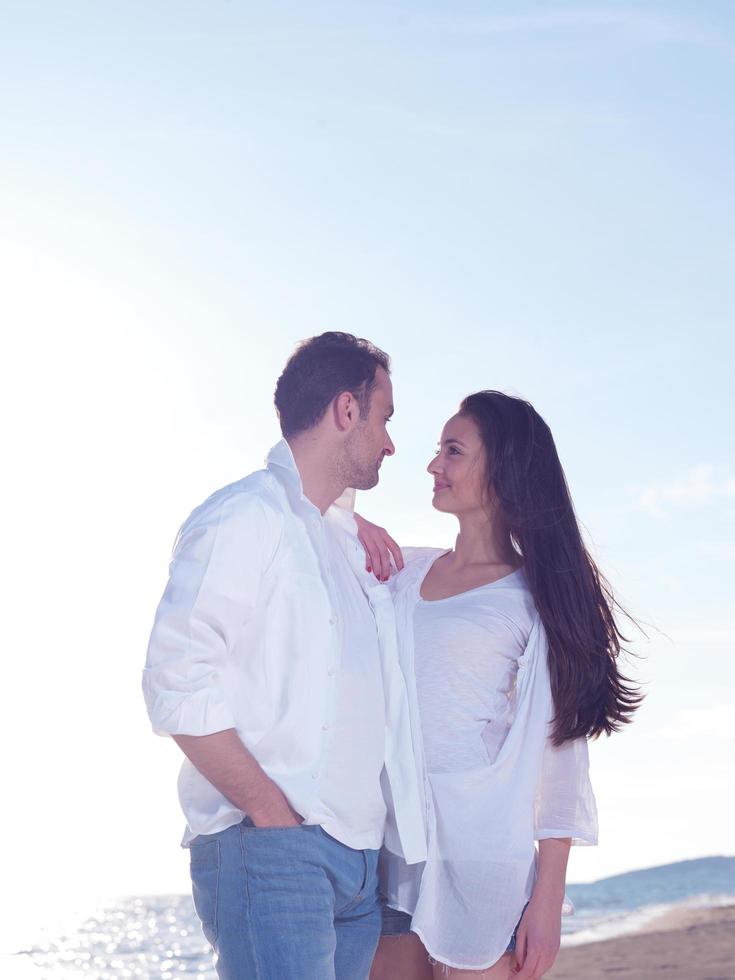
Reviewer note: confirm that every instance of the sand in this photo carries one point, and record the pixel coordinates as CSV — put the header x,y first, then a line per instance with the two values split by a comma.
x,y
685,944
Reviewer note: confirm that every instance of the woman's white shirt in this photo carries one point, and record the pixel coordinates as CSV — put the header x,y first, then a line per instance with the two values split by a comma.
x,y
467,651
494,783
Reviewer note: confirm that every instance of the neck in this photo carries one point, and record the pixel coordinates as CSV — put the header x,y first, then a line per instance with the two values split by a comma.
x,y
315,463
483,540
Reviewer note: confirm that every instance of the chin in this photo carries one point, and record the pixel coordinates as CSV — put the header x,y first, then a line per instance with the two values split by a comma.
x,y
366,481
439,503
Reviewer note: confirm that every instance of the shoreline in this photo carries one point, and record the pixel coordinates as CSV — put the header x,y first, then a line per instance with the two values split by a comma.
x,y
683,943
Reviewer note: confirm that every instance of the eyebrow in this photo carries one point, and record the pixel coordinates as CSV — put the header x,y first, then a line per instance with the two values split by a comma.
x,y
453,442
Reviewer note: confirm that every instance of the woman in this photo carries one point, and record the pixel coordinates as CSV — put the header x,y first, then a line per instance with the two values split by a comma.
x,y
510,646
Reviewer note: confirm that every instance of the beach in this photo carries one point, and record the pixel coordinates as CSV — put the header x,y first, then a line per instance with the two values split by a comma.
x,y
151,937
683,944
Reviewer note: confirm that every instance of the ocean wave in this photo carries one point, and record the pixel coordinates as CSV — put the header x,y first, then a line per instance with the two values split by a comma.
x,y
592,927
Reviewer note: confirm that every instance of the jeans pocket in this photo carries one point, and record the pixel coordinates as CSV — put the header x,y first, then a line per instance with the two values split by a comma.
x,y
204,867
279,852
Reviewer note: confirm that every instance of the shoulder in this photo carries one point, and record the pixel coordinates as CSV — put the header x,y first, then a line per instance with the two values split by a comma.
x,y
415,562
250,504
518,594
510,599
417,556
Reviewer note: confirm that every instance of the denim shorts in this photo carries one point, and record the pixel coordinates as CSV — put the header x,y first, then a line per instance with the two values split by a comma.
x,y
396,923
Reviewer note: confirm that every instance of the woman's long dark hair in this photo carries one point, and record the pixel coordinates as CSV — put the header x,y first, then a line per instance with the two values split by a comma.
x,y
574,601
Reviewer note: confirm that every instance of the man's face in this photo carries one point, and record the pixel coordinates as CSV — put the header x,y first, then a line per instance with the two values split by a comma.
x,y
370,442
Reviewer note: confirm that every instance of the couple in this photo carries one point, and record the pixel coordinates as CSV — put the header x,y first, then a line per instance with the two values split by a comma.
x,y
370,757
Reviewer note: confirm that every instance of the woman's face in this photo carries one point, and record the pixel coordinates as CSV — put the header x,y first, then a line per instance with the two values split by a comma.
x,y
458,468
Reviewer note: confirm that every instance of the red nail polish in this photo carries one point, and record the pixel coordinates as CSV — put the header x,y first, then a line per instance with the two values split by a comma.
x,y
369,569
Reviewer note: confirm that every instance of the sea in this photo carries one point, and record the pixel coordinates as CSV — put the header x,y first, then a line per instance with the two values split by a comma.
x,y
158,937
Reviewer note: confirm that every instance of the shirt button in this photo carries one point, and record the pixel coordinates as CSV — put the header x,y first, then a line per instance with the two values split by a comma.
x,y
330,672
325,727
315,775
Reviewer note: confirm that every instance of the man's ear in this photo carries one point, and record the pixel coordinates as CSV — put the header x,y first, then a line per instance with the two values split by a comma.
x,y
346,411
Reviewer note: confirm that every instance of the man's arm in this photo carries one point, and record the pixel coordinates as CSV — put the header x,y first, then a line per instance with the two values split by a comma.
x,y
225,762
213,588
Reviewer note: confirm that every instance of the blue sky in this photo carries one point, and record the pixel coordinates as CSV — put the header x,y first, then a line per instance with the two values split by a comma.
x,y
531,197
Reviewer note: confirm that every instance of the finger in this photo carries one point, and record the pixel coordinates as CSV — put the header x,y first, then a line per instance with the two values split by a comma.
x,y
376,560
529,970
521,944
546,961
395,551
368,560
366,542
384,562
379,557
525,972
519,956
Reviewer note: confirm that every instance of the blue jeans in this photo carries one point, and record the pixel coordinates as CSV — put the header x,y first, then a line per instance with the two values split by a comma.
x,y
287,903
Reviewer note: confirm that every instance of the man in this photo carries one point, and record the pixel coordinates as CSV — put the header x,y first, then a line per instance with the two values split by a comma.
x,y
273,665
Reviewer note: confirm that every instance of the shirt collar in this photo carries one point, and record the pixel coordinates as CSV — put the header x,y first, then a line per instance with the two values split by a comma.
x,y
281,463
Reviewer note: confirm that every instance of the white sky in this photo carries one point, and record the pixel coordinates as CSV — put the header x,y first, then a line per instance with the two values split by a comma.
x,y
538,199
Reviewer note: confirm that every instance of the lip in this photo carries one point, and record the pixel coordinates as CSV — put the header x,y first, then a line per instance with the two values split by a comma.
x,y
440,486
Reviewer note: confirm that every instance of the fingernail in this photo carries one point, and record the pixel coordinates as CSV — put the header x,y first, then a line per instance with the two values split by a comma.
x,y
369,568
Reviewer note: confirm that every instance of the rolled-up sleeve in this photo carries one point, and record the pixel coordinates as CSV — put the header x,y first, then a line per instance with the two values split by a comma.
x,y
213,586
565,803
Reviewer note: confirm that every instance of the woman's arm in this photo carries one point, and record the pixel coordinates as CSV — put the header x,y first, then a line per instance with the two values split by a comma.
x,y
565,802
564,813
379,549
539,934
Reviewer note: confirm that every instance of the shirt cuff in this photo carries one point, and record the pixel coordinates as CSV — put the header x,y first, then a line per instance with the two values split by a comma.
x,y
203,712
578,835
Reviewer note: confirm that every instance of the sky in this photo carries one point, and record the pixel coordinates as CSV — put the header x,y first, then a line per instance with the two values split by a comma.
x,y
534,197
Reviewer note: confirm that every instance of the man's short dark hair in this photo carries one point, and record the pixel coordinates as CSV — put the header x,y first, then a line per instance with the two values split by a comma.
x,y
320,369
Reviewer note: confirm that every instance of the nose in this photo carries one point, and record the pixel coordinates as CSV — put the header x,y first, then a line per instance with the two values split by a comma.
x,y
389,448
434,468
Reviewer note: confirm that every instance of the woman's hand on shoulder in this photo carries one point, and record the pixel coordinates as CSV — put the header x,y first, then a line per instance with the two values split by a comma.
x,y
537,940
379,547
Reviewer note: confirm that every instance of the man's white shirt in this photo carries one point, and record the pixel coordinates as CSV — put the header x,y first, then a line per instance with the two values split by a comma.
x,y
271,625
